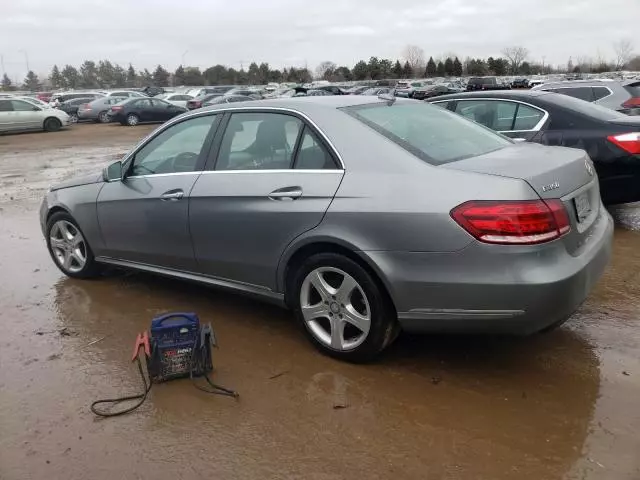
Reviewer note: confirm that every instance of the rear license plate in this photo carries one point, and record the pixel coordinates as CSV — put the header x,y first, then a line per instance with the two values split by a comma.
x,y
583,206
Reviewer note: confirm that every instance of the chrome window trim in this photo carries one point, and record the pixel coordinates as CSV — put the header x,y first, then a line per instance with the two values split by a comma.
x,y
275,170
198,172
226,109
536,128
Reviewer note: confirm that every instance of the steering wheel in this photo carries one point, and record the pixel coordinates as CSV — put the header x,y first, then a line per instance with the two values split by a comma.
x,y
185,162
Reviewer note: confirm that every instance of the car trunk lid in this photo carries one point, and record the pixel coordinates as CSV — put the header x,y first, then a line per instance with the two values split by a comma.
x,y
553,172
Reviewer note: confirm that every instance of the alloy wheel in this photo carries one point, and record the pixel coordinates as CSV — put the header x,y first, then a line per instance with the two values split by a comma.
x,y
335,308
68,246
73,118
132,120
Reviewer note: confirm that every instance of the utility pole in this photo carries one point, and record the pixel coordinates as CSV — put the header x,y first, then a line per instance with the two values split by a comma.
x,y
543,59
26,59
183,55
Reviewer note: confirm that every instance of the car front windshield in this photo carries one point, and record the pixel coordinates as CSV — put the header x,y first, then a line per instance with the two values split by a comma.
x,y
433,134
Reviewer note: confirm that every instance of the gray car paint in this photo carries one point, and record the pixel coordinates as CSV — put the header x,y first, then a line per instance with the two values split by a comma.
x,y
390,208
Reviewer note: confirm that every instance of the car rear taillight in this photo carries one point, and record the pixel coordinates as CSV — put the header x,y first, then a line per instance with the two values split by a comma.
x,y
85,106
629,142
633,102
525,222
115,108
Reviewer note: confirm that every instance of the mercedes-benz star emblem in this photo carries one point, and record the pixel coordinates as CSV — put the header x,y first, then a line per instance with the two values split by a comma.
x,y
589,167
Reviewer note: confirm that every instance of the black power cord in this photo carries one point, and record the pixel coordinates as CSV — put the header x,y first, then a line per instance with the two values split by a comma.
x,y
114,401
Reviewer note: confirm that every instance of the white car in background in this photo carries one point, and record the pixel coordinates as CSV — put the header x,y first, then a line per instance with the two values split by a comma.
x,y
17,114
178,99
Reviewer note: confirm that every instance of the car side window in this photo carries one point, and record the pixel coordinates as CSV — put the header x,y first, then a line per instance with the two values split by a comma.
x,y
258,141
175,149
600,92
157,103
527,117
144,103
312,154
22,106
583,93
5,106
491,114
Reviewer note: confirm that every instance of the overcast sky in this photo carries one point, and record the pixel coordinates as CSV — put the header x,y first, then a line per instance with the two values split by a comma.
x,y
295,32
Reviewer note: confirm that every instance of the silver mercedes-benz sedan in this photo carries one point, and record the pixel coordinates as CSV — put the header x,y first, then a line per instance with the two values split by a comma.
x,y
364,215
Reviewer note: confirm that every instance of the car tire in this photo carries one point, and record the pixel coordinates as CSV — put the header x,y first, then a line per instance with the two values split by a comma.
x,y
73,117
132,120
103,117
69,248
329,309
52,125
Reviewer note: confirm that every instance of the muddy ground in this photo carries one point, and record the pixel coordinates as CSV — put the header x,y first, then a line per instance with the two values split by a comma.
x,y
564,405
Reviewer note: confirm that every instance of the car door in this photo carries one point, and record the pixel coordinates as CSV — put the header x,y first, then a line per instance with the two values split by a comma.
x,y
273,179
163,111
144,217
27,115
7,120
144,109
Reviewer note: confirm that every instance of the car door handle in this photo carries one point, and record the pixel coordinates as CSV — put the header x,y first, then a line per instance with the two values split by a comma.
x,y
287,193
172,195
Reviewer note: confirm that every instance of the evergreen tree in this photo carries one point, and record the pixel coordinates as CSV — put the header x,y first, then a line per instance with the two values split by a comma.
x,y
70,77
397,69
131,76
440,69
360,70
56,79
178,77
6,82
160,76
407,71
457,67
88,74
31,82
448,67
431,68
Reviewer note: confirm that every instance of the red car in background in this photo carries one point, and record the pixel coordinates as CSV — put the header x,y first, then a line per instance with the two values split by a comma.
x,y
44,96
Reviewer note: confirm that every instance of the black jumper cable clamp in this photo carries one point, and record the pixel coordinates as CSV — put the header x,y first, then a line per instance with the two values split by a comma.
x,y
178,347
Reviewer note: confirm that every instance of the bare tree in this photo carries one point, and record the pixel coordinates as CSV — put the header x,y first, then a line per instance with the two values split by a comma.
x,y
325,68
624,52
515,55
415,56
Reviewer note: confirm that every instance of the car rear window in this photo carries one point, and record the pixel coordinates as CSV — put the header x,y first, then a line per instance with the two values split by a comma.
x,y
433,134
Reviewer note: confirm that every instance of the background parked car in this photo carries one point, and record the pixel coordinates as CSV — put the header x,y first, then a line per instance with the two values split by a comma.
x,y
17,115
486,83
198,102
406,88
71,107
217,100
621,96
124,94
430,91
357,90
376,91
152,91
202,91
141,110
611,138
97,110
35,101
58,98
520,83
249,92
178,99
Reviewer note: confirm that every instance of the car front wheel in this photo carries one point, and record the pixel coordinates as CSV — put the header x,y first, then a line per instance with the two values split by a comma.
x,y
69,248
344,310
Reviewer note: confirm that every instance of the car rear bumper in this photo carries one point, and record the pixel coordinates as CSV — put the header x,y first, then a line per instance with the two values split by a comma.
x,y
87,114
493,288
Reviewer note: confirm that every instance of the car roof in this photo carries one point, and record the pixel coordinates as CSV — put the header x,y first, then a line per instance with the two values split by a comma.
x,y
580,83
512,94
310,104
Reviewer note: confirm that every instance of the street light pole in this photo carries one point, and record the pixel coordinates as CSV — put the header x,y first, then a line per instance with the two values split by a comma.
x,y
26,59
183,54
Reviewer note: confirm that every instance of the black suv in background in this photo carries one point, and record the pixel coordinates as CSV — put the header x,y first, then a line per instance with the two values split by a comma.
x,y
486,83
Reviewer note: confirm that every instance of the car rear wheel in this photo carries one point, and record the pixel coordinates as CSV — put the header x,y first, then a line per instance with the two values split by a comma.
x,y
52,125
132,120
69,248
103,117
345,312
73,117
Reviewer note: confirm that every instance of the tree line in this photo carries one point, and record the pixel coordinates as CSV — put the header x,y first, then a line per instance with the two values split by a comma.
x,y
105,74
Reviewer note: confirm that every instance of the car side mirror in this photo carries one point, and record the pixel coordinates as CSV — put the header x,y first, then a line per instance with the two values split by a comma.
x,y
113,172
